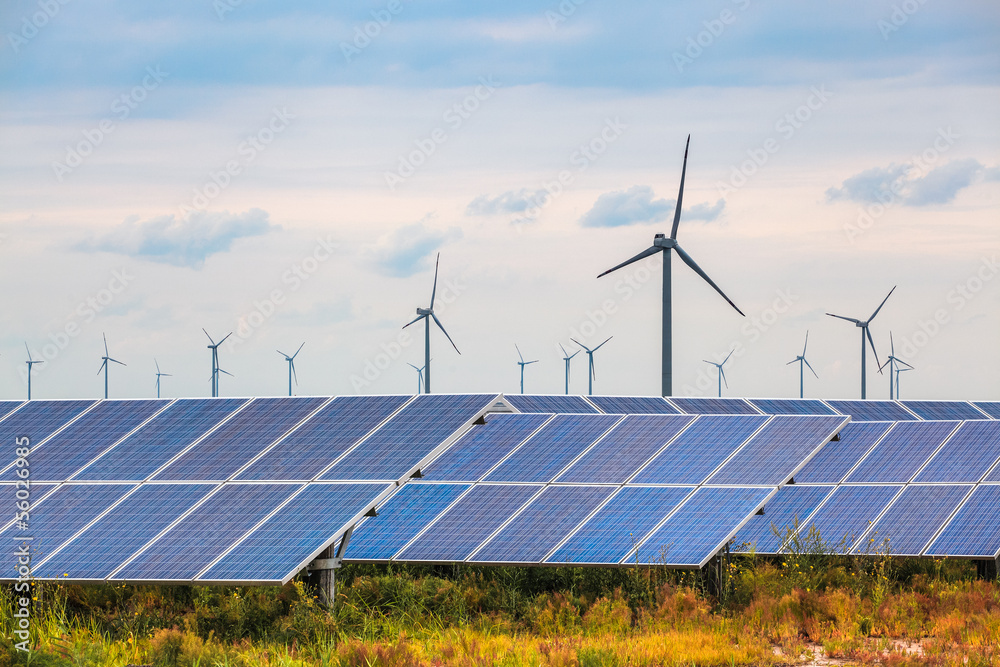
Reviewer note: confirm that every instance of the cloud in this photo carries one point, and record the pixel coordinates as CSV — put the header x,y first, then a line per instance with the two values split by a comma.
x,y
507,203
180,242
704,211
905,184
406,251
636,206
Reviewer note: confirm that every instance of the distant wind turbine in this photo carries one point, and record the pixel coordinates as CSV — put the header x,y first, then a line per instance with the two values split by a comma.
x,y
158,376
722,373
31,362
522,364
214,347
898,371
865,333
427,314
802,361
567,360
665,244
590,362
420,378
291,366
104,364
893,362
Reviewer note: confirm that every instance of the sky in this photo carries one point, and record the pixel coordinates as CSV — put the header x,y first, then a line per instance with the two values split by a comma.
x,y
290,172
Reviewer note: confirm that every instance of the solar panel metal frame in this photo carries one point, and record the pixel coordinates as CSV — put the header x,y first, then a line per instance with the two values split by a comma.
x,y
594,400
976,411
508,400
873,528
832,403
752,408
944,527
57,431
990,408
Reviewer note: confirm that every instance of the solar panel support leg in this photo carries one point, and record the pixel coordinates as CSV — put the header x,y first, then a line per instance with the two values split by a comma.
x,y
325,568
986,569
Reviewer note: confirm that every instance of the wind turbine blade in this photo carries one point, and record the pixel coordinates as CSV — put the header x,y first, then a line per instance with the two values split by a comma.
x,y
680,192
106,353
531,362
841,317
282,354
103,364
414,367
605,341
807,343
157,365
872,342
652,250
166,375
892,346
887,362
414,321
299,350
435,288
697,269
810,367
723,372
581,345
441,327
224,339
574,354
518,352
563,350
883,303
727,356
792,361
209,337
227,373
118,362
710,362
904,363
294,374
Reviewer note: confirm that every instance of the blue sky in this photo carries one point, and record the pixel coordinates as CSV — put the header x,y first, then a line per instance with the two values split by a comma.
x,y
290,173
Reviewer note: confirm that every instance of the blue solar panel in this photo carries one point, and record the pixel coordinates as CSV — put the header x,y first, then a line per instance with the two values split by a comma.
x,y
848,514
967,455
620,525
765,533
326,436
777,452
943,410
898,456
993,475
542,525
911,522
483,447
713,406
138,456
393,450
700,449
403,516
791,406
457,532
633,405
872,411
106,544
38,420
6,407
552,448
550,403
701,526
623,451
837,458
87,437
203,535
992,408
295,534
974,531
243,437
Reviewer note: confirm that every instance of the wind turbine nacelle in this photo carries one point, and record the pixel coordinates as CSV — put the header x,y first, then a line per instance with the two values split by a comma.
x,y
662,241
424,311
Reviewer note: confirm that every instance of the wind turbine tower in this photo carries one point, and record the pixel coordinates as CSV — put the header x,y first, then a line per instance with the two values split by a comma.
x,y
214,347
427,314
522,364
567,360
104,364
894,363
590,362
803,362
865,333
158,376
31,362
291,366
722,373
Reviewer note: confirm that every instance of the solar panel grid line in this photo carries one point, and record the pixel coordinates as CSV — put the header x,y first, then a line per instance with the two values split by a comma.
x,y
846,473
521,510
947,523
54,433
775,405
591,404
933,454
502,459
898,499
985,414
944,410
752,408
929,456
513,451
990,408
874,522
735,451
806,525
585,450
20,404
861,460
634,551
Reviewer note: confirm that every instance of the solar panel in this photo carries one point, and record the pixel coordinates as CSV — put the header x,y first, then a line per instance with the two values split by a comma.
x,y
967,455
235,443
848,513
713,406
778,450
6,407
898,456
702,525
483,446
550,517
329,433
552,448
403,516
621,524
290,538
138,456
791,505
553,404
38,420
391,452
103,546
872,411
456,533
700,449
791,406
974,531
633,405
910,523
943,410
204,534
992,408
836,459
70,449
993,475
619,454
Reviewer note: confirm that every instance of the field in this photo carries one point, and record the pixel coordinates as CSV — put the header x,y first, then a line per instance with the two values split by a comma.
x,y
800,609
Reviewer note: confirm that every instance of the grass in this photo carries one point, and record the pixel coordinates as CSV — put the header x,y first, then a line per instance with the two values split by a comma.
x,y
768,611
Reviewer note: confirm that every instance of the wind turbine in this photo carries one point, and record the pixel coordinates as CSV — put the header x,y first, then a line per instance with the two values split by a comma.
x,y
865,333
427,314
590,359
567,360
104,364
214,347
291,366
420,377
158,376
31,362
522,364
722,373
802,361
665,244
893,361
